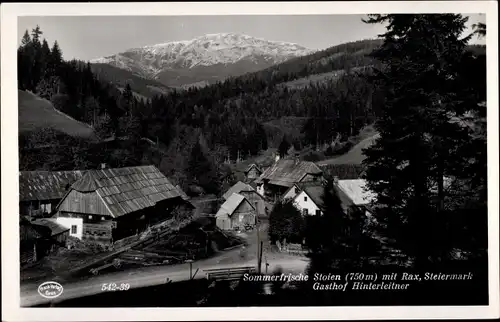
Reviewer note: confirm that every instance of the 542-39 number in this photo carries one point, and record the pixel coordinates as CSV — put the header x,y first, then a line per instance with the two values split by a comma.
x,y
115,287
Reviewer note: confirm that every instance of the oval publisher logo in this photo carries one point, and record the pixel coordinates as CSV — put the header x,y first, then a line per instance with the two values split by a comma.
x,y
50,290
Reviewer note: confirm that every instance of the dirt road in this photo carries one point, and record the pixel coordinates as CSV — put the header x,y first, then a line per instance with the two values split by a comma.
x,y
156,275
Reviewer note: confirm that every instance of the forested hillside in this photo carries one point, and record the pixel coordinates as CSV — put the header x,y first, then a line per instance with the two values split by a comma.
x,y
147,88
240,116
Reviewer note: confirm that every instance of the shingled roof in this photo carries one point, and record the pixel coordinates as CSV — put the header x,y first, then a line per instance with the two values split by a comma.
x,y
237,188
231,204
315,192
356,191
29,231
52,224
46,185
287,172
251,166
126,190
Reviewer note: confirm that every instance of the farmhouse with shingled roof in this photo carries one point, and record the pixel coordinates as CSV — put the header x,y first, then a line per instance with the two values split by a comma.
x,y
110,204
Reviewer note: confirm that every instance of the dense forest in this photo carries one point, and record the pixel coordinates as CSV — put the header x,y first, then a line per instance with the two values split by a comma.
x,y
226,120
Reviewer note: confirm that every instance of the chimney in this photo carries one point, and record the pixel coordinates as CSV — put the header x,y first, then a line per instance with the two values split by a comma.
x,y
297,160
103,165
335,180
276,157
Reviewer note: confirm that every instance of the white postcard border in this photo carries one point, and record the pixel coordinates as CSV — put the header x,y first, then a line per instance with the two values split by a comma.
x,y
10,186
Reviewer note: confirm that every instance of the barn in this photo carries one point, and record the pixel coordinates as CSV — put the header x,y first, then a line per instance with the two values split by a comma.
x,y
59,234
107,205
235,213
237,188
258,201
247,191
34,241
41,191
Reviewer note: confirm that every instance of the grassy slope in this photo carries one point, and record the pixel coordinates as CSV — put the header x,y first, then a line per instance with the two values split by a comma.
x,y
303,82
355,154
38,113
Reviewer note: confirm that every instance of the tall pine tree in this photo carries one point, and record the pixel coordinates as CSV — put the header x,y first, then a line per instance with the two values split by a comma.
x,y
418,144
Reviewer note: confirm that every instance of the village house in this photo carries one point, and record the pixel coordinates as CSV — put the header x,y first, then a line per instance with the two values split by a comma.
x,y
354,195
308,198
253,172
237,188
236,213
247,191
107,205
41,191
283,174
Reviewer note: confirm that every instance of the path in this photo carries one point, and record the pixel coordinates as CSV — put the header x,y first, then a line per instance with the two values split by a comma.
x,y
156,275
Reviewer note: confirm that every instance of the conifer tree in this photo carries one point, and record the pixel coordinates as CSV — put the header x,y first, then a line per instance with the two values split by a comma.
x,y
335,239
284,146
201,170
55,58
418,142
36,72
24,62
44,59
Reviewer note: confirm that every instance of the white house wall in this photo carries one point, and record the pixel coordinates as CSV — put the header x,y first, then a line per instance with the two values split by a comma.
x,y
290,194
68,222
260,189
308,204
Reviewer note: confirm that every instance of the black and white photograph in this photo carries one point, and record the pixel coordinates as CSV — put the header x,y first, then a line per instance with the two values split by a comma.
x,y
250,160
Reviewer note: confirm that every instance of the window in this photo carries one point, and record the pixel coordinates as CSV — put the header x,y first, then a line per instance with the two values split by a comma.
x,y
305,198
305,212
90,216
318,212
73,229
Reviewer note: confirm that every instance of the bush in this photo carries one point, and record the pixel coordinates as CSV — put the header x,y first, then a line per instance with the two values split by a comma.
x,y
339,149
314,156
286,222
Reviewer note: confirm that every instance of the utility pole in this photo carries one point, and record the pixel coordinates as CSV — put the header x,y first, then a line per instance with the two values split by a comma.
x,y
260,256
190,268
258,238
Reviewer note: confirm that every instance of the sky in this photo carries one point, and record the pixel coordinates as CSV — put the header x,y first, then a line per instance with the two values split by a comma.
x,y
88,37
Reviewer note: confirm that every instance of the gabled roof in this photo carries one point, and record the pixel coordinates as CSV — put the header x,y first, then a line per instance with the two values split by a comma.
x,y
231,204
315,192
51,224
301,185
126,190
253,165
356,191
46,185
287,172
236,188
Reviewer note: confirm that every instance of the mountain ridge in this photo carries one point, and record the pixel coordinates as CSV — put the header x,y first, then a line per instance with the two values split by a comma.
x,y
212,56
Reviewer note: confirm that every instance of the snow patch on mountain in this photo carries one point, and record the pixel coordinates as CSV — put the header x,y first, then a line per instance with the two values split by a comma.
x,y
207,50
